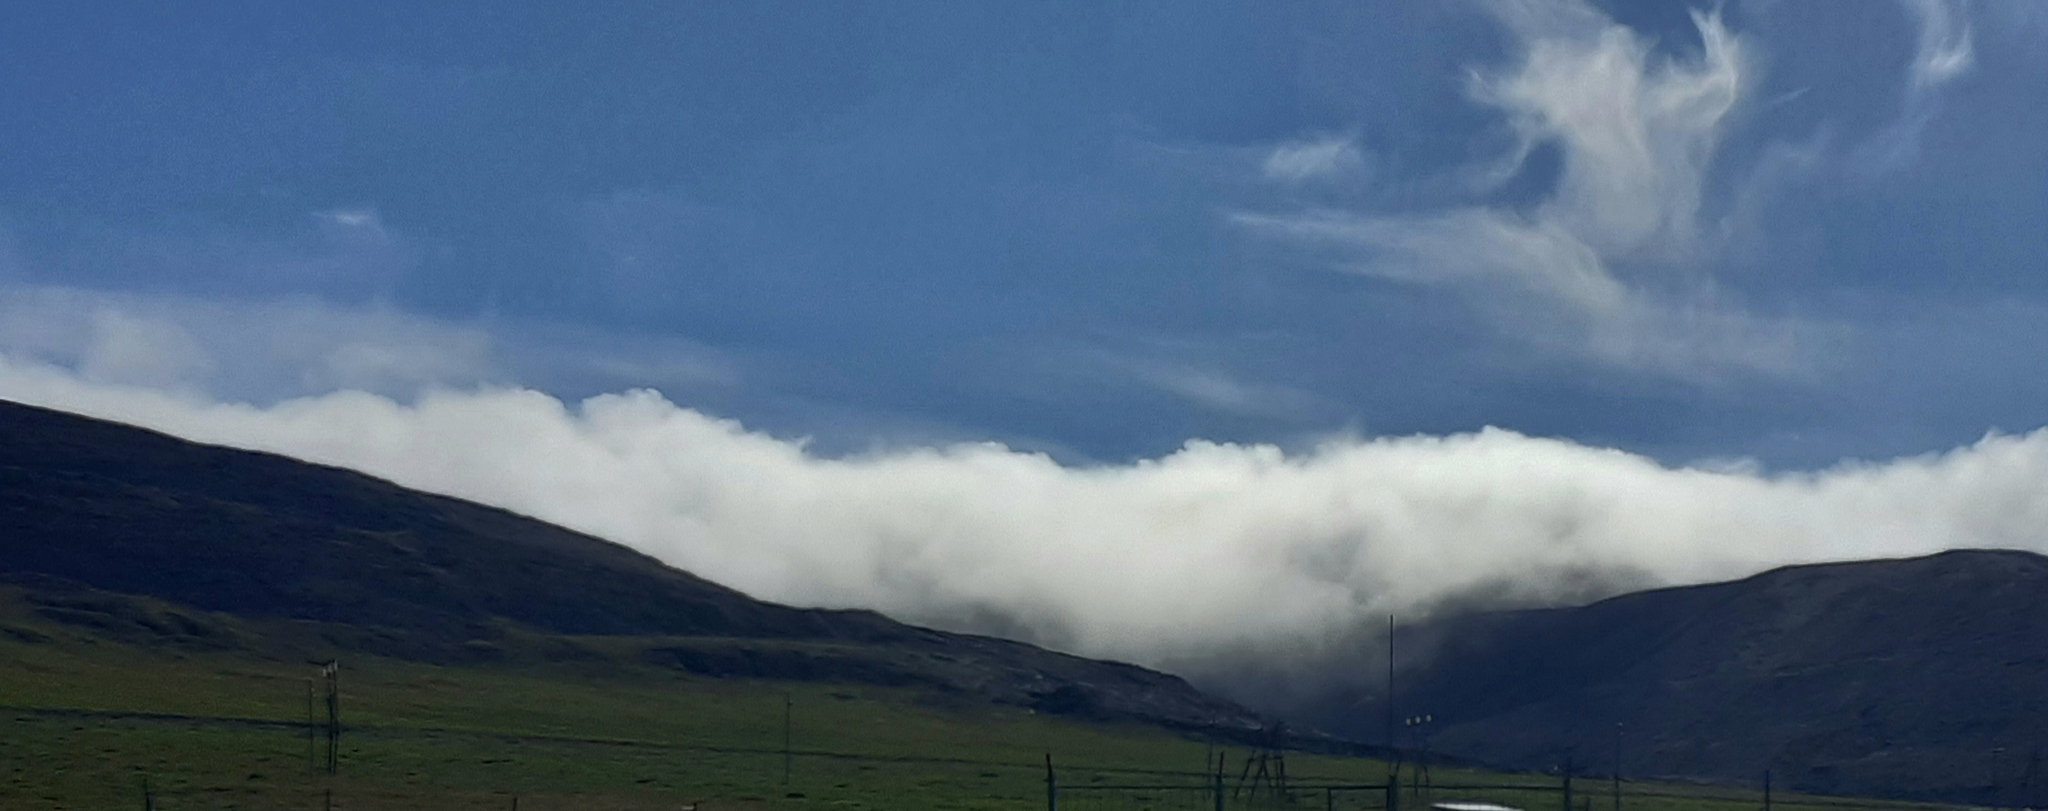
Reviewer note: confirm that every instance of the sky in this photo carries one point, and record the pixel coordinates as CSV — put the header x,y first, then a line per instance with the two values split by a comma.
x,y
1162,331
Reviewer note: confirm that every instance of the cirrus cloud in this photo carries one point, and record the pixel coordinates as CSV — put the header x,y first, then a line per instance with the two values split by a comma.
x,y
1610,263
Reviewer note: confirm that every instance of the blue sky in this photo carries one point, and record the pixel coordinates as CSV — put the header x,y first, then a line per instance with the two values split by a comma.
x,y
1097,229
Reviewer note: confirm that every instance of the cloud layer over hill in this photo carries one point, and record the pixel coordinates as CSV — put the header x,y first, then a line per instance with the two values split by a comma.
x,y
1215,550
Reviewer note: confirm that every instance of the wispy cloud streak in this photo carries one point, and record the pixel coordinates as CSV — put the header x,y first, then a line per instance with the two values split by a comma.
x,y
1944,53
1608,263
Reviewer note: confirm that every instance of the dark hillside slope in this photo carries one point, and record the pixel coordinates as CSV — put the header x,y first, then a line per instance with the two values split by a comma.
x,y
91,510
138,512
1925,677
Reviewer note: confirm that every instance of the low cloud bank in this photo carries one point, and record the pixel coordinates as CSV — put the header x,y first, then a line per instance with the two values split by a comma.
x,y
1210,553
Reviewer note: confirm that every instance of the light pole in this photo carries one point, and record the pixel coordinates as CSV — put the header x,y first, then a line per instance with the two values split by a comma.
x,y
1418,728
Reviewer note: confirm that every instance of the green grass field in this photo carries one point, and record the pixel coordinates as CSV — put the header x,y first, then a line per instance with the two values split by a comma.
x,y
88,721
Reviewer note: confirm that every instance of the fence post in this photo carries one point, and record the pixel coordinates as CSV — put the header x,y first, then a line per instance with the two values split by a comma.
x,y
1767,790
333,673
1052,789
1567,784
1217,783
1394,792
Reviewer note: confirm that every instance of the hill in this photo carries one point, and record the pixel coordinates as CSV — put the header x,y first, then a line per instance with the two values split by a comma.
x,y
1922,678
121,530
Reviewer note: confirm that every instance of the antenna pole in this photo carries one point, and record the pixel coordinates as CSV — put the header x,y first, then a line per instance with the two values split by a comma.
x,y
1393,748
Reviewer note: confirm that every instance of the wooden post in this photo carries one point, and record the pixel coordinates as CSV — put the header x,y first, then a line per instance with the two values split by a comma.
x,y
1216,783
1052,786
1617,766
1767,790
1286,794
1394,792
333,717
787,704
312,761
1568,784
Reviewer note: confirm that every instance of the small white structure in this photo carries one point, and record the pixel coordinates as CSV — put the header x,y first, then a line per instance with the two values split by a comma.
x,y
1458,806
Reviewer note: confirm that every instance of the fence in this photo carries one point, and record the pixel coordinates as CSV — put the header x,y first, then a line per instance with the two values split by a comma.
x,y
391,768
1562,792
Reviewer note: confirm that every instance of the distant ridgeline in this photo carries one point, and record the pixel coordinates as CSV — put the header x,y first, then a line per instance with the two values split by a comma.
x,y
1925,677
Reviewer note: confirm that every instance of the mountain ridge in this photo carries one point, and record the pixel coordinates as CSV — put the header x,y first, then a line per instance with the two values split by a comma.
x,y
95,514
1893,677
1887,677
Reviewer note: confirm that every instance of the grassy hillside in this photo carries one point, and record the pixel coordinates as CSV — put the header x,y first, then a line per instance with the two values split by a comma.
x,y
89,718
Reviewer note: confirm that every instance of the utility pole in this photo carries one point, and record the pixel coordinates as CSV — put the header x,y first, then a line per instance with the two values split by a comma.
x,y
1393,748
1617,766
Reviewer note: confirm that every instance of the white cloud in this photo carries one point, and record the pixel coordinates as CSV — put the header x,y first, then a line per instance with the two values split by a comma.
x,y
362,218
265,349
1608,263
1637,134
1167,561
1206,385
1945,50
1218,391
1321,157
141,351
261,349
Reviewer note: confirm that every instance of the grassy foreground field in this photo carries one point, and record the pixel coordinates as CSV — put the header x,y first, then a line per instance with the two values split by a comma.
x,y
89,722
